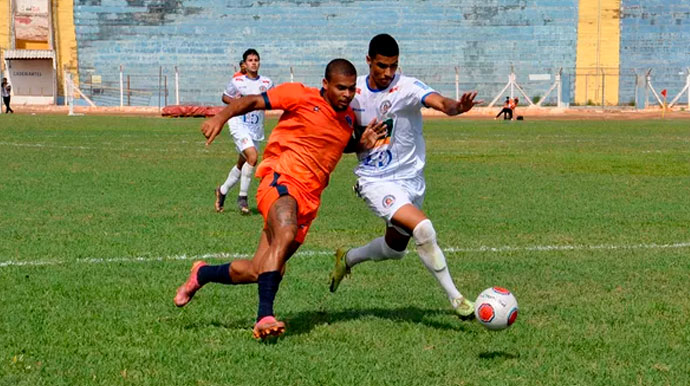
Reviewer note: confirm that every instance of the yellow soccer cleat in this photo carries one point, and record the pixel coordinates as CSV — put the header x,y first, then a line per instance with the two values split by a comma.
x,y
340,270
463,308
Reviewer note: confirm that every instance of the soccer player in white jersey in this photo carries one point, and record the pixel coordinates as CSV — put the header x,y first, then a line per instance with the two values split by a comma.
x,y
391,175
247,131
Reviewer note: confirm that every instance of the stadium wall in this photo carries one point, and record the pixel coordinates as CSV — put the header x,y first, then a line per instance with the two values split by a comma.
x,y
655,34
205,40
481,39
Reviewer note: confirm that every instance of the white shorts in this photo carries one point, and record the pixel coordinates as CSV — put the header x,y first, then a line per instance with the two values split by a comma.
x,y
384,198
243,139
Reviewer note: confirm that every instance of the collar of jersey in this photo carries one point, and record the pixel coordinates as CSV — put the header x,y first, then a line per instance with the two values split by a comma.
x,y
372,90
250,78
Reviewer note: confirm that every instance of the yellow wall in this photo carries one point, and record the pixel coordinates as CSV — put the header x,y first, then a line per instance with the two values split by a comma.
x,y
65,39
598,50
4,28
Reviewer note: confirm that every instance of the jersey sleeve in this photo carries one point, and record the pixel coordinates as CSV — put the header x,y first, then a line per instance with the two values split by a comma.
x,y
286,96
231,91
417,91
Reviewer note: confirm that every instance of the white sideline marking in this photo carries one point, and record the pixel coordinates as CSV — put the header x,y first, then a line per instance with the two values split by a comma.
x,y
100,148
536,248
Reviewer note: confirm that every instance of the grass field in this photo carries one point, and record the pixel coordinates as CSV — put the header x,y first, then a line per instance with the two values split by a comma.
x,y
586,222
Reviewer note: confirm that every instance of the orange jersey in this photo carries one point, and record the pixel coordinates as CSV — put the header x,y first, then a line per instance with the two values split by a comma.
x,y
309,139
512,104
238,73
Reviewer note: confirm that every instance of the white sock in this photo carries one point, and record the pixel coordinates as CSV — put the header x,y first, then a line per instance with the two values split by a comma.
x,y
376,250
246,179
433,258
233,177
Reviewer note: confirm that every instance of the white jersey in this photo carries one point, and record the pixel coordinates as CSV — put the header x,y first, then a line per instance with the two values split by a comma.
x,y
402,154
253,121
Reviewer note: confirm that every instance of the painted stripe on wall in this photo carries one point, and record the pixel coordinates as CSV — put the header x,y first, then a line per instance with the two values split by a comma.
x,y
598,52
65,40
4,28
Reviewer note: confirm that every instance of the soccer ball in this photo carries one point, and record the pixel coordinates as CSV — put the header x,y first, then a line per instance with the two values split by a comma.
x,y
496,308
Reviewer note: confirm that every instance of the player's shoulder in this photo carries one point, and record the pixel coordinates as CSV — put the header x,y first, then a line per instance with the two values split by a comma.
x,y
412,82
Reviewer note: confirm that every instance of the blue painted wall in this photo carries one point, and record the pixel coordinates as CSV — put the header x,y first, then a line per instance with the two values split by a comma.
x,y
654,34
205,38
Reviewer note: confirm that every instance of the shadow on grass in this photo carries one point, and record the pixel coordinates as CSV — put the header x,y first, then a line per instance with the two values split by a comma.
x,y
303,322
497,355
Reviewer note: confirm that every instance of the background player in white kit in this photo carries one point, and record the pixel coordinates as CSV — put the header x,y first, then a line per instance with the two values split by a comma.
x,y
391,175
247,131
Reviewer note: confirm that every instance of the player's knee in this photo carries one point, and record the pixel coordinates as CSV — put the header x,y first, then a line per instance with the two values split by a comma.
x,y
424,233
427,247
251,159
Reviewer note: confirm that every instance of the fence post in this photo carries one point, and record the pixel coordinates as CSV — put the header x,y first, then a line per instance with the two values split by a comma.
x,y
457,84
603,89
122,97
129,92
559,88
160,75
177,87
292,75
687,84
165,89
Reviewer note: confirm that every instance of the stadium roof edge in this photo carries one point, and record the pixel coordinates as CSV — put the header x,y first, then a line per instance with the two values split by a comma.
x,y
28,54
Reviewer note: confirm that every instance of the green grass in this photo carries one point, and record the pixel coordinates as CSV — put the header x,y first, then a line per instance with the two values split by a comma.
x,y
110,205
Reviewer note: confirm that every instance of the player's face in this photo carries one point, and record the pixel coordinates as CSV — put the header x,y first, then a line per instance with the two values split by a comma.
x,y
253,63
382,70
340,90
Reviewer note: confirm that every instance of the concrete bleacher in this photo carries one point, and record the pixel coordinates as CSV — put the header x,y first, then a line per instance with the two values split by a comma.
x,y
482,38
654,34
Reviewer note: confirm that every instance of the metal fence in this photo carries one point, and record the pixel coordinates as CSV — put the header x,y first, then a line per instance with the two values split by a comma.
x,y
536,85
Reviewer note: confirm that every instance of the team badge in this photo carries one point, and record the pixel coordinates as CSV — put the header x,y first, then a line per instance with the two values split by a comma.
x,y
245,140
385,106
316,108
262,88
388,201
348,119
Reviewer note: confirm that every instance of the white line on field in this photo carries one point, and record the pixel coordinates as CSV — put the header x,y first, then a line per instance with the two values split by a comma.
x,y
536,248
100,148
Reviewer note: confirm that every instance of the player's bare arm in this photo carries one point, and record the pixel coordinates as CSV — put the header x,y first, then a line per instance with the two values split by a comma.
x,y
371,134
240,106
226,99
451,106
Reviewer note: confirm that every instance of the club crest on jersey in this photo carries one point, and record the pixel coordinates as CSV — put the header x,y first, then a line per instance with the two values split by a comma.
x,y
388,201
262,88
348,119
385,106
316,108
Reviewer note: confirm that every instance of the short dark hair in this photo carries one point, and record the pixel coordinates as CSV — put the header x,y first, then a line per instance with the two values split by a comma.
x,y
241,62
384,45
340,66
250,51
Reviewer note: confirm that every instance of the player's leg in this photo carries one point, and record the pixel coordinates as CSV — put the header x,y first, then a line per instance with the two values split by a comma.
x,y
383,198
282,230
233,177
251,156
411,219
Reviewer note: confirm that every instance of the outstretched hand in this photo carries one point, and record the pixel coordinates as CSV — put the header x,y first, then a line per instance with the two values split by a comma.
x,y
211,127
372,134
467,101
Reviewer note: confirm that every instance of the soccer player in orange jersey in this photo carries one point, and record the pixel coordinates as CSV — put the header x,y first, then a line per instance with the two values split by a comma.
x,y
243,69
302,151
